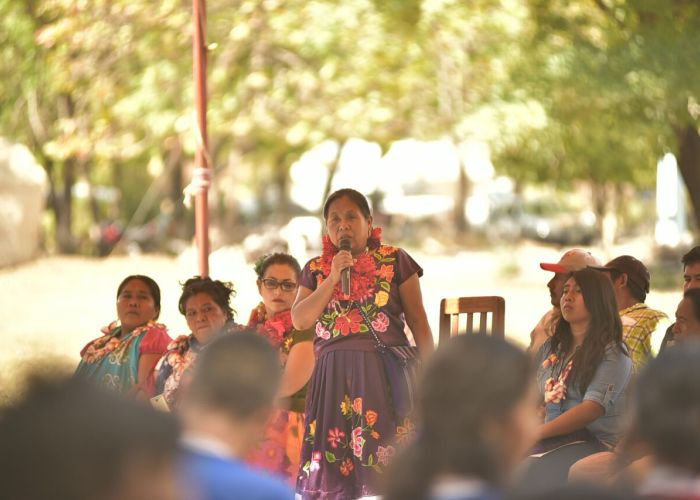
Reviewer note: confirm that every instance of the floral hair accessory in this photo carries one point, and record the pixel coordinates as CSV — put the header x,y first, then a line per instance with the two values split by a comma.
x,y
258,266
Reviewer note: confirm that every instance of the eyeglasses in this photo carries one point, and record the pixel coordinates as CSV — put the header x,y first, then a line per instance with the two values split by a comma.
x,y
272,284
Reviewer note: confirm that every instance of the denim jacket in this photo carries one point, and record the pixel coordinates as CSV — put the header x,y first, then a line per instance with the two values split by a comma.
x,y
608,387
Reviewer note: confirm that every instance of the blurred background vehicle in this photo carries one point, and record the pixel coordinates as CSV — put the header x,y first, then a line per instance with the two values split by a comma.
x,y
557,221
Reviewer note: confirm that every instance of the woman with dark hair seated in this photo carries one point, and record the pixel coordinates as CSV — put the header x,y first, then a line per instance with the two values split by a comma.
x,y
278,281
583,375
206,305
476,408
122,359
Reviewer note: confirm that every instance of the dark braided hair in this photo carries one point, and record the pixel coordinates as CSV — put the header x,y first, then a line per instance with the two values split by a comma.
x,y
356,197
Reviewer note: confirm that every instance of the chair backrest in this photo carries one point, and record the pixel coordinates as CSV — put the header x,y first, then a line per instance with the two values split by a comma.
x,y
451,309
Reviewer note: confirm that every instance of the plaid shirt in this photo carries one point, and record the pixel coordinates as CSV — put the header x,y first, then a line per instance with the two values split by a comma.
x,y
638,323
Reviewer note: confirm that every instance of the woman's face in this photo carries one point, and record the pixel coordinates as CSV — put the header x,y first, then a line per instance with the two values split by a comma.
x,y
204,316
687,325
135,305
573,309
345,220
278,288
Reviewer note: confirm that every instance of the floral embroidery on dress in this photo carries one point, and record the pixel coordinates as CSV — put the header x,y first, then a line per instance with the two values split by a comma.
x,y
348,451
180,357
371,282
405,432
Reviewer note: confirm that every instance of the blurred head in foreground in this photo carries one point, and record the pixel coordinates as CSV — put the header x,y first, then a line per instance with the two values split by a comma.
x,y
477,418
666,411
67,439
232,390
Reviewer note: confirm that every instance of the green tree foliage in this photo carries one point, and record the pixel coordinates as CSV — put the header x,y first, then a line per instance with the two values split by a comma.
x,y
562,90
619,87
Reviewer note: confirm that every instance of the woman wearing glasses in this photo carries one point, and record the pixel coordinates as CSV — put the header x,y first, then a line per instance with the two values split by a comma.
x,y
278,278
206,305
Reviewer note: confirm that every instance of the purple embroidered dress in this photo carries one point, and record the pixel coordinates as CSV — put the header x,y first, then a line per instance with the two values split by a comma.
x,y
352,427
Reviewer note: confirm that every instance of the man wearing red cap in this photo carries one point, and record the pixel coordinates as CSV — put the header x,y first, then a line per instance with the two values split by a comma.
x,y
630,279
571,261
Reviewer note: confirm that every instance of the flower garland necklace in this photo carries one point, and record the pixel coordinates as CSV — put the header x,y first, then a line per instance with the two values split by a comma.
x,y
275,328
363,273
112,338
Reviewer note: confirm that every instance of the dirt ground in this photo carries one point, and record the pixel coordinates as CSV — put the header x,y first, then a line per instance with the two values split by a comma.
x,y
53,306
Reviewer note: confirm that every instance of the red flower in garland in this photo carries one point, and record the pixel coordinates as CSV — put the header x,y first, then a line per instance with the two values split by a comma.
x,y
274,329
349,322
362,274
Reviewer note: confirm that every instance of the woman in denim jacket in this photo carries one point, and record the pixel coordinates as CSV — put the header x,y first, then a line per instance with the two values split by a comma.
x,y
583,374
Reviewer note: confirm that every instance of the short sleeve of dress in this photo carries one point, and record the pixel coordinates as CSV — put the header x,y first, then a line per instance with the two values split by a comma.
x,y
610,379
307,278
155,341
406,266
299,336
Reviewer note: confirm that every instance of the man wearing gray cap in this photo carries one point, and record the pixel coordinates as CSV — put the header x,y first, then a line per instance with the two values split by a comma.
x,y
571,261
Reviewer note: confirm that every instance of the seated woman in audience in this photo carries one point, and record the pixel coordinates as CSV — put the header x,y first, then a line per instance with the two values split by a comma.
x,y
278,278
122,359
477,413
206,305
583,375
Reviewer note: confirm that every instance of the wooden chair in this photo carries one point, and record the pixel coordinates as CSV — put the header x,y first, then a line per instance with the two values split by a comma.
x,y
450,310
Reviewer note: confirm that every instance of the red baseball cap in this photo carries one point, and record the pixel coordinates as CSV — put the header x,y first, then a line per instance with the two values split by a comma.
x,y
573,260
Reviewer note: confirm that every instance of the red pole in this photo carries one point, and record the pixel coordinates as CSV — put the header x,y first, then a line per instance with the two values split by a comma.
x,y
201,173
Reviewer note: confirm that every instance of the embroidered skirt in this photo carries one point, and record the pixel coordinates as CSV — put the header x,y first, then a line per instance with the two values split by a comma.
x,y
352,429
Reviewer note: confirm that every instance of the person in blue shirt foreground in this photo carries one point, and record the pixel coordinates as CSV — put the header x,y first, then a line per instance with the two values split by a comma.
x,y
224,409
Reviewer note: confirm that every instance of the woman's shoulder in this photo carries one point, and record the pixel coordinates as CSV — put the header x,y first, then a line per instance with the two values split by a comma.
x,y
617,352
152,328
155,338
389,250
180,344
314,264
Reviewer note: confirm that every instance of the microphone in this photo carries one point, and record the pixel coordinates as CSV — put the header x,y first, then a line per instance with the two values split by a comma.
x,y
345,244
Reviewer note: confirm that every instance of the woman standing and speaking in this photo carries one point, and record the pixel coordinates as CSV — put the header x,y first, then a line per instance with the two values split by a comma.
x,y
358,406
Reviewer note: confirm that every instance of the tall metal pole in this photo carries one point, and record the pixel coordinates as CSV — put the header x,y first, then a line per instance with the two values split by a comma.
x,y
201,175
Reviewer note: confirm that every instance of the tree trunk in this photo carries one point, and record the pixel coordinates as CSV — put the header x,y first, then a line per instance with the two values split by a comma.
x,y
173,169
689,165
460,219
281,180
64,210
